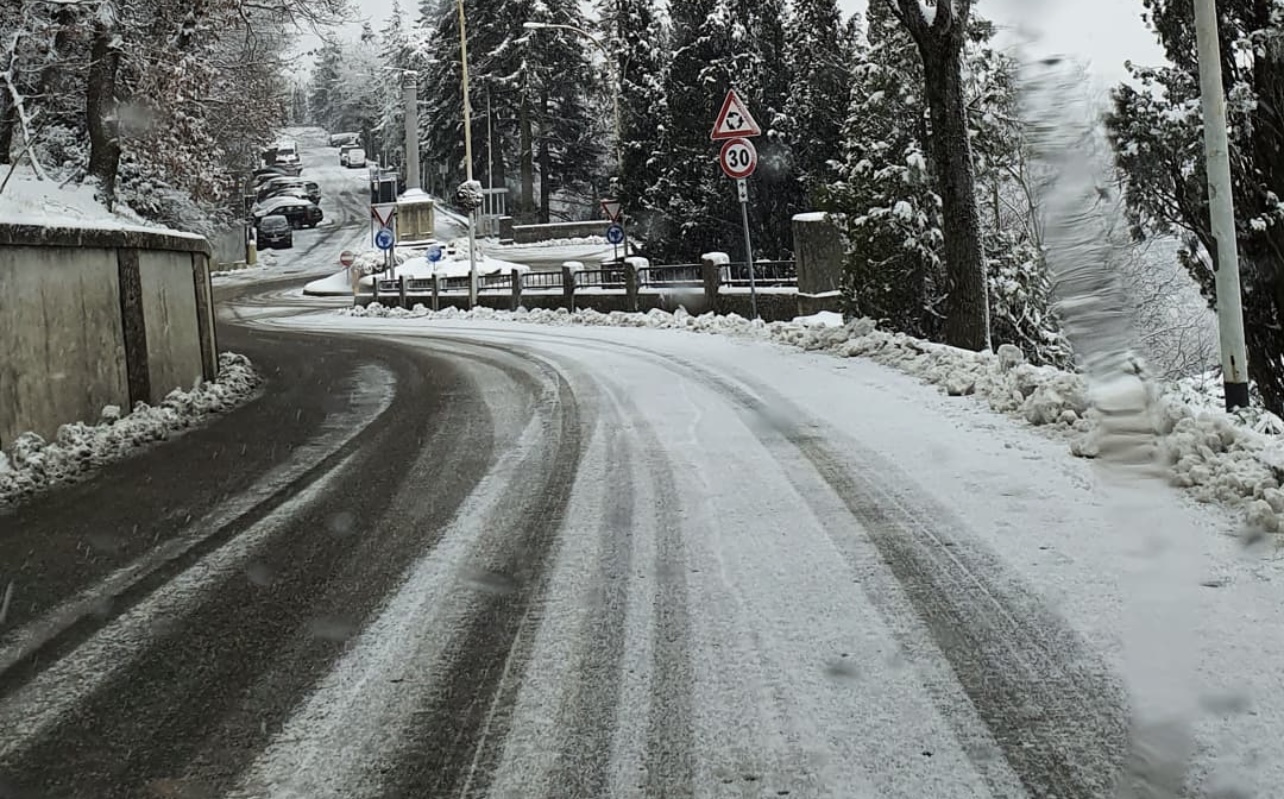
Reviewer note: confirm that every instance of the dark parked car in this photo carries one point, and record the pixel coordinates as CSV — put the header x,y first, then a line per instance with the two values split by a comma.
x,y
275,231
300,213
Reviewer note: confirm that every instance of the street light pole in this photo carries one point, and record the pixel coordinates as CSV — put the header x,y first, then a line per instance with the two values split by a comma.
x,y
617,79
1230,312
468,158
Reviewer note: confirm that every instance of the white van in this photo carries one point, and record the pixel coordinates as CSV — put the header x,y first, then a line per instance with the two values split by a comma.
x,y
356,158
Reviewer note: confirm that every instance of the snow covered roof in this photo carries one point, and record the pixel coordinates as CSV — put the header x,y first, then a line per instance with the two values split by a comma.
x,y
28,201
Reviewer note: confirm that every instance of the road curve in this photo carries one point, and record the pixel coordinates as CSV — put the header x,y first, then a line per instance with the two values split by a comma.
x,y
487,562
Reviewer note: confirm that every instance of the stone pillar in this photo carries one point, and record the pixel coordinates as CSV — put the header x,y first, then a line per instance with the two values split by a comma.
x,y
517,289
568,286
630,285
401,292
711,274
818,252
436,292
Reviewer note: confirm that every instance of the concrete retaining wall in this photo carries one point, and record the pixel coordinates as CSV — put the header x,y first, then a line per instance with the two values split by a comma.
x,y
96,317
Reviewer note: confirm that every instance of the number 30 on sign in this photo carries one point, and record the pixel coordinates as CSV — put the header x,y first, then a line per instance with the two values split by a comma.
x,y
739,159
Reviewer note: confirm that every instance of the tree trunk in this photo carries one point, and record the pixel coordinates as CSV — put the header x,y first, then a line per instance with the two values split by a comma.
x,y
527,165
100,112
967,309
545,167
8,121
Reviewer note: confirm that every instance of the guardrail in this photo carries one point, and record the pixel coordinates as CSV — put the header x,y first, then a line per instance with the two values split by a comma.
x,y
765,273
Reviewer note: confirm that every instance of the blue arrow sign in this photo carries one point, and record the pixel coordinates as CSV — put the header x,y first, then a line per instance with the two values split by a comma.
x,y
615,234
434,253
384,239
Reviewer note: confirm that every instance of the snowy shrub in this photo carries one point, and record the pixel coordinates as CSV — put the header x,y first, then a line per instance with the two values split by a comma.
x,y
33,464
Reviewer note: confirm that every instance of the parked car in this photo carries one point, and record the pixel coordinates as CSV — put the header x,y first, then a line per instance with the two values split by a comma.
x,y
300,213
275,232
266,188
297,192
314,191
356,158
339,139
343,153
266,173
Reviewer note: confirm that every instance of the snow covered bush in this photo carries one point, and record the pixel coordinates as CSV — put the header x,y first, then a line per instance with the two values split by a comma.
x,y
33,464
1233,459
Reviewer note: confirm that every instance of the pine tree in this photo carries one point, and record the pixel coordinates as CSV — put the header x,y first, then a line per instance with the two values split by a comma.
x,y
566,98
641,44
1156,129
691,192
323,98
886,193
819,59
940,43
394,56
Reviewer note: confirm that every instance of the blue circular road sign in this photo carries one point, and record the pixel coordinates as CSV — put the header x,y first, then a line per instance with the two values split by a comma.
x,y
615,234
384,238
434,253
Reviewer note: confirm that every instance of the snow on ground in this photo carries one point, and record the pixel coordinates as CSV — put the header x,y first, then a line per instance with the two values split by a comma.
x,y
454,263
555,252
1216,456
26,200
32,464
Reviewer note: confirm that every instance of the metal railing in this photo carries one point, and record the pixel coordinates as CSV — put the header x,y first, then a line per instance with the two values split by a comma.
x,y
607,278
542,281
766,273
671,276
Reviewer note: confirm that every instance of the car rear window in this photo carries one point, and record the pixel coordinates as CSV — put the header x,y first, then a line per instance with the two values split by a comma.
x,y
275,223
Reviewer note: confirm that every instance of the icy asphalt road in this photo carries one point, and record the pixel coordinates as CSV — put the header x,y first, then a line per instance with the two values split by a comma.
x,y
444,560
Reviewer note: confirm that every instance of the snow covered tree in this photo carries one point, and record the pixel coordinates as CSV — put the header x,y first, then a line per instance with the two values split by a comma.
x,y
690,192
719,44
886,193
640,42
889,194
820,60
940,44
1156,128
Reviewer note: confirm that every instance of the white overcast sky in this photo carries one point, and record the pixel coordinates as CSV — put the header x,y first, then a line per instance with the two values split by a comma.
x,y
1105,32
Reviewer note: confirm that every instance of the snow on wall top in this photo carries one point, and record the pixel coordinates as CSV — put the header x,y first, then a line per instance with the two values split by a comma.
x,y
40,203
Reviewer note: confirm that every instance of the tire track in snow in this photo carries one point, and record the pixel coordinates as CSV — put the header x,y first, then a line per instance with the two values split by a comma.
x,y
371,391
1054,709
474,697
410,705
58,690
199,704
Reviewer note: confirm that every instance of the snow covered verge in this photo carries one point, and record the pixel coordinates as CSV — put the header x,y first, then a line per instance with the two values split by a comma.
x,y
1233,459
32,464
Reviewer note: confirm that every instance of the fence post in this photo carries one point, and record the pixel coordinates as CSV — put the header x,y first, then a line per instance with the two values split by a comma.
x,y
517,289
436,292
401,292
711,275
630,285
568,287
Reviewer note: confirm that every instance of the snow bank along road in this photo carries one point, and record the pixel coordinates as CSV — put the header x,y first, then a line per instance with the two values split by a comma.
x,y
443,560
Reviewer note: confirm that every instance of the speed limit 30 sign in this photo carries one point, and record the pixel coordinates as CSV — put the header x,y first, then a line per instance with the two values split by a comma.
x,y
738,158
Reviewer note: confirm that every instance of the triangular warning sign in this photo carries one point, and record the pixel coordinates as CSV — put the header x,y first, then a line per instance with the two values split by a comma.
x,y
612,209
734,120
382,213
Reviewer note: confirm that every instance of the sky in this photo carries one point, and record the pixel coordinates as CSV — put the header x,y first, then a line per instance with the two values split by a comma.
x,y
1104,32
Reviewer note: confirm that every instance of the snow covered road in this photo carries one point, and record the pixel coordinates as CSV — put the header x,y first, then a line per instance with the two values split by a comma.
x,y
498,560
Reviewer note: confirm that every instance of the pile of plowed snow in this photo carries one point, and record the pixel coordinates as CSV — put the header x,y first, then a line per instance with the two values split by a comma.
x,y
32,464
1237,459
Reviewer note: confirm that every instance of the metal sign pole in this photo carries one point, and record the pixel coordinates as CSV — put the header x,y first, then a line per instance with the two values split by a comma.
x,y
744,216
